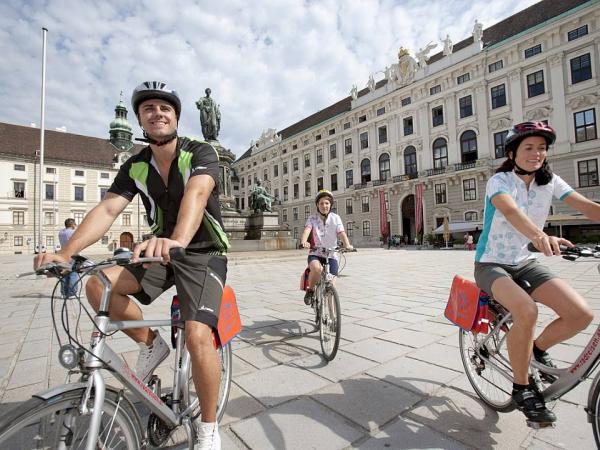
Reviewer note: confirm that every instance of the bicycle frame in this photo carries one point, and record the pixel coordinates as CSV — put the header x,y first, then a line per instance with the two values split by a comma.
x,y
568,378
103,357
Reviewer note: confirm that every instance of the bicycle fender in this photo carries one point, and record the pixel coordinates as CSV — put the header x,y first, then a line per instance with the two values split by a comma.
x,y
58,390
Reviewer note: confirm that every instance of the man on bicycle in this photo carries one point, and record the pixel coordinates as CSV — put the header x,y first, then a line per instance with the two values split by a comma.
x,y
176,178
327,228
518,199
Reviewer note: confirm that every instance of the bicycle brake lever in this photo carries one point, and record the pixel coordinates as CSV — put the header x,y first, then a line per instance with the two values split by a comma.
x,y
570,257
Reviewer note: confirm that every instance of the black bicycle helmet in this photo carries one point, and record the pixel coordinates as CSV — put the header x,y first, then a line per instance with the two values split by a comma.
x,y
323,193
152,90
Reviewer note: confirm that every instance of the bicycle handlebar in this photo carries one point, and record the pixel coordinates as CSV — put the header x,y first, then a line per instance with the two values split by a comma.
x,y
80,263
568,253
333,249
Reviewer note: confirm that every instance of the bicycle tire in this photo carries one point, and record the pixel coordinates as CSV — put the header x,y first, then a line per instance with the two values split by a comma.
x,y
330,323
36,423
492,387
225,356
594,409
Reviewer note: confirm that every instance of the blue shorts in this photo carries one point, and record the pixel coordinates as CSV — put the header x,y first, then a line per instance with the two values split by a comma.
x,y
333,263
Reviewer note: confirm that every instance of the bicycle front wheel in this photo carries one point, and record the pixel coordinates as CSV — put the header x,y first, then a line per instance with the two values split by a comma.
x,y
190,397
487,366
56,423
330,323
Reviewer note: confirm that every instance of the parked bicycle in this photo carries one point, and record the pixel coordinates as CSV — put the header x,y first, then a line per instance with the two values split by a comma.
x,y
326,304
486,362
87,413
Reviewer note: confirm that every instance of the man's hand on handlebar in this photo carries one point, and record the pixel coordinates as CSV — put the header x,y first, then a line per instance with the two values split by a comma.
x,y
155,247
42,259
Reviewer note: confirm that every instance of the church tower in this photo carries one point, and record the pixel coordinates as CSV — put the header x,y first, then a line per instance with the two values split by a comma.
x,y
120,130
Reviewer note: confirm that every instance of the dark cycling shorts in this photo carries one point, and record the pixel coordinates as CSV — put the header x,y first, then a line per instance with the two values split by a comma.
x,y
530,270
199,279
333,263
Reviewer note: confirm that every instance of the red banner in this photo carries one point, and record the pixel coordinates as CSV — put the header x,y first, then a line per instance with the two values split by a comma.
x,y
383,214
418,207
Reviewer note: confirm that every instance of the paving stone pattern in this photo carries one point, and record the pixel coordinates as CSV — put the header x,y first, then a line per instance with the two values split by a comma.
x,y
397,381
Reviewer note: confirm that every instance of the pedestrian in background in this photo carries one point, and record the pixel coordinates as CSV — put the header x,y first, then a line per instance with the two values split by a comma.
x,y
69,284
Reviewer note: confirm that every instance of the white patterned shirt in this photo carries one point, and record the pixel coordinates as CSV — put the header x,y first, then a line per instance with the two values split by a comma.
x,y
500,242
324,234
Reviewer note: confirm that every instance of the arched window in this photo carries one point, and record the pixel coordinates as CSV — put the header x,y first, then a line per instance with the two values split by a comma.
x,y
410,160
384,167
468,146
365,171
440,153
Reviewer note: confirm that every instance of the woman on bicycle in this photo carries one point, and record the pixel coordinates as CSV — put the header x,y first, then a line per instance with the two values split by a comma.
x,y
518,199
327,228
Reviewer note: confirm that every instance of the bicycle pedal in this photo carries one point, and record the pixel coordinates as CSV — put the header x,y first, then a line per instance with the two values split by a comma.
x,y
539,425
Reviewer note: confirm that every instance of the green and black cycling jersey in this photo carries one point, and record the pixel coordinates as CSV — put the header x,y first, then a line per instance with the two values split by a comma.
x,y
140,175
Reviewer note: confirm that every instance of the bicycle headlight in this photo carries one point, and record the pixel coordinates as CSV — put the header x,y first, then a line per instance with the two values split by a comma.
x,y
68,356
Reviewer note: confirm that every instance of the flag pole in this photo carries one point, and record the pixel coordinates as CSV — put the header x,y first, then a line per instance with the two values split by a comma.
x,y
42,130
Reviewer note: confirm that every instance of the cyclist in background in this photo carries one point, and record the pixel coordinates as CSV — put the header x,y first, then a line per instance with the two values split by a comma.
x,y
518,199
325,228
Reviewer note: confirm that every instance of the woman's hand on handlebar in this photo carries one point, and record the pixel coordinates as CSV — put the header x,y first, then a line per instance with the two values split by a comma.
x,y
550,245
305,245
155,247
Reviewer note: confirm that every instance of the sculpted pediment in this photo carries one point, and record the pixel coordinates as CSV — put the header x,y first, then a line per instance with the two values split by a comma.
x,y
543,112
583,100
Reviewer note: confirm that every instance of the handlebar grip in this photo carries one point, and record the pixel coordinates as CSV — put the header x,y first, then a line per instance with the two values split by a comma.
x,y
563,248
177,253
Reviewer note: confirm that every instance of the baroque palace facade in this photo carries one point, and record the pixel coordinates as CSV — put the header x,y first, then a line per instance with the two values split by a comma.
x,y
440,121
78,170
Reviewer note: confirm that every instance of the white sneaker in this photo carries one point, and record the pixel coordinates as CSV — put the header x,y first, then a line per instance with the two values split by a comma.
x,y
150,357
207,436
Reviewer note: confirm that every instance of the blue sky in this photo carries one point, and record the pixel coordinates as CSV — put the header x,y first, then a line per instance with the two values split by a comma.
x,y
269,63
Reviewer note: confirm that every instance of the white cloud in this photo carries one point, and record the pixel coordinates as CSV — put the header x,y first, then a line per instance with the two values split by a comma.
x,y
269,63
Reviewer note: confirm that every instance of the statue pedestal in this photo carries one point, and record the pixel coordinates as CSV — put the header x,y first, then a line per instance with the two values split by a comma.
x,y
256,231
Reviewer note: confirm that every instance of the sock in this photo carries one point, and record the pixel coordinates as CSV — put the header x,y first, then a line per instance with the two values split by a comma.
x,y
519,387
537,352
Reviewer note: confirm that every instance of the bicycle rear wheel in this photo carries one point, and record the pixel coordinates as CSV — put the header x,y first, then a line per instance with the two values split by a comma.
x,y
57,423
594,410
189,394
487,366
330,323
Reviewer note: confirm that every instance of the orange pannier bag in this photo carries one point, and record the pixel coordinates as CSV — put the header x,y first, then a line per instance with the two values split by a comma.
x,y
229,324
304,279
467,306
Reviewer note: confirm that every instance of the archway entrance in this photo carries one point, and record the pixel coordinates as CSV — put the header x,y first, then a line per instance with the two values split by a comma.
x,y
126,240
408,217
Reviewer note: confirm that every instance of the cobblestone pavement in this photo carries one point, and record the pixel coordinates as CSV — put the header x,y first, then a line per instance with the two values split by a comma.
x,y
397,381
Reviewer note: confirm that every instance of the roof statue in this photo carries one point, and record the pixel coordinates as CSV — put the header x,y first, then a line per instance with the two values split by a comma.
x,y
477,32
448,46
423,55
371,83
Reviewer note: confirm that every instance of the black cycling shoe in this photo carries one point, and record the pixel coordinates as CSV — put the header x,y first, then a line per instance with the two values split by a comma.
x,y
308,297
532,405
545,359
